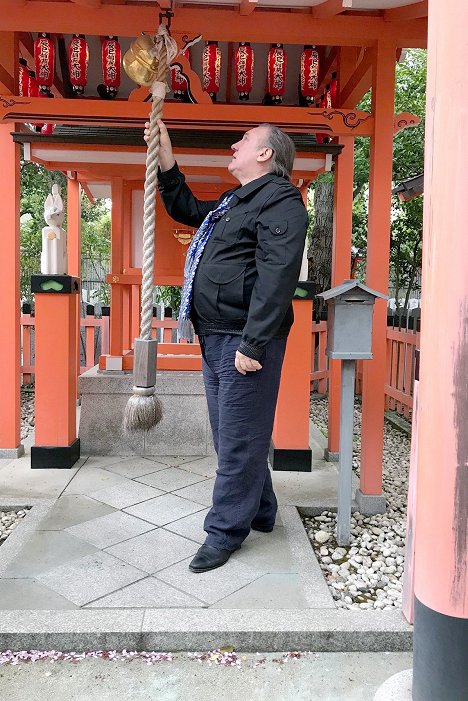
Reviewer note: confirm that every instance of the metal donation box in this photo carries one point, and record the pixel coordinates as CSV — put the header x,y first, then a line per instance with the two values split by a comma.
x,y
350,308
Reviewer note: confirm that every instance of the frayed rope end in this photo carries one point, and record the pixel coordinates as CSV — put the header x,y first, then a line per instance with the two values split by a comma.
x,y
142,413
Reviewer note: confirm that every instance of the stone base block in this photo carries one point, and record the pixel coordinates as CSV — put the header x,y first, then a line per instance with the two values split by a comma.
x,y
370,504
330,456
397,688
184,429
290,460
11,453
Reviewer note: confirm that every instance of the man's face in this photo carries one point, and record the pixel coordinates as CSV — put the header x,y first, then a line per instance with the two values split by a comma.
x,y
245,164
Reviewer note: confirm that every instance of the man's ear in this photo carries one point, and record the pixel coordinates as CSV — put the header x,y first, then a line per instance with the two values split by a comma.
x,y
265,155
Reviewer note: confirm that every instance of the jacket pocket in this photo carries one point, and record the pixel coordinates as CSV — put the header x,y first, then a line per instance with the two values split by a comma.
x,y
229,228
221,291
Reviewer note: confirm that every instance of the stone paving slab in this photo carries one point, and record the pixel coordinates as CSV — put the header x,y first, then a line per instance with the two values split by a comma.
x,y
31,595
90,577
155,550
271,591
147,593
170,479
134,467
190,526
202,492
111,529
126,494
164,509
72,509
210,586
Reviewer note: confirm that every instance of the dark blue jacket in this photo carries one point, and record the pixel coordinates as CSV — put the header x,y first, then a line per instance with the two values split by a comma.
x,y
249,269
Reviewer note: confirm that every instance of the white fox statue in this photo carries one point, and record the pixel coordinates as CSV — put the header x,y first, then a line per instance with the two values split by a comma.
x,y
54,238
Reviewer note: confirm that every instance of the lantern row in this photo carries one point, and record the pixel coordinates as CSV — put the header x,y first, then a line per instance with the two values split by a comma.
x,y
39,81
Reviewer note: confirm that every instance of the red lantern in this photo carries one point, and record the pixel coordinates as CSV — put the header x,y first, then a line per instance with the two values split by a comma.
x,y
33,86
178,83
111,60
23,78
244,70
211,68
334,90
276,73
44,59
78,58
310,67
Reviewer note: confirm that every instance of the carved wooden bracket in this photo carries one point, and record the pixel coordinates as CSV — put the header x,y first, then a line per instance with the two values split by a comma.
x,y
405,120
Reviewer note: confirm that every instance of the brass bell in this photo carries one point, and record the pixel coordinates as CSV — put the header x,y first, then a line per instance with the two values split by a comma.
x,y
139,63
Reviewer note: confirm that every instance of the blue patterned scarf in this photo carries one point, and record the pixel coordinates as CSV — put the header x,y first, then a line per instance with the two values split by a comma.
x,y
194,254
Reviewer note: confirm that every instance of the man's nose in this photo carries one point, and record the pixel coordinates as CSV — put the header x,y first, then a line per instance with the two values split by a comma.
x,y
235,146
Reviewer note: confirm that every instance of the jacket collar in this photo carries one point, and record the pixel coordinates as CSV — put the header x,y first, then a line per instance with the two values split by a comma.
x,y
246,190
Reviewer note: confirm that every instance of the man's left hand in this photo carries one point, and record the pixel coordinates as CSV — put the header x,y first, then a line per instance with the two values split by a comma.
x,y
244,364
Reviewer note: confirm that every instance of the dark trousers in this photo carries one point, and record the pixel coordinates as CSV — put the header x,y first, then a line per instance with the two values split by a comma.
x,y
241,410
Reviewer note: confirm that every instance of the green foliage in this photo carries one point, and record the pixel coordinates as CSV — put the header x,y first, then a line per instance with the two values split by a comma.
x,y
408,161
36,183
170,296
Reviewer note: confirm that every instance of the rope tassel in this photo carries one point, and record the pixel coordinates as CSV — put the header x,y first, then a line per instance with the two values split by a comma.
x,y
147,63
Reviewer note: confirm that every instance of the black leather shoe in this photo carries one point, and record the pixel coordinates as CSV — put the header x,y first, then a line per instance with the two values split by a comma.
x,y
262,529
209,558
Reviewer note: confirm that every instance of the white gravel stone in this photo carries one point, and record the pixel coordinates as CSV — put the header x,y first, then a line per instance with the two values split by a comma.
x,y
9,521
322,536
368,573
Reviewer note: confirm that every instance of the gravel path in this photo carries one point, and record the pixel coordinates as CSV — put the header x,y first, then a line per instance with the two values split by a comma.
x,y
27,410
368,573
8,522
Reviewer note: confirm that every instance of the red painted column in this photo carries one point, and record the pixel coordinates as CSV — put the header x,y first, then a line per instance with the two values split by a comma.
x,y
74,251
441,540
117,229
377,269
341,265
10,421
341,253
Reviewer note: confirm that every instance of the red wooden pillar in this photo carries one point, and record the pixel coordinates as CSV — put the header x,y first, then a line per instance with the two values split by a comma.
x,y
116,310
10,413
369,496
290,440
341,252
127,339
56,444
440,669
74,250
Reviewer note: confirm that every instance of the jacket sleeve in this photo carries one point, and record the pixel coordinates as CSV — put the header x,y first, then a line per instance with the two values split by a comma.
x,y
179,201
281,232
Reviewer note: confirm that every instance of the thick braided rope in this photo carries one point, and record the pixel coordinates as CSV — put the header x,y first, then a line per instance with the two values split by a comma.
x,y
149,201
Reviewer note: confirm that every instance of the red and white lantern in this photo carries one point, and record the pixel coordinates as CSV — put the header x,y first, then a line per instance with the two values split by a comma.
x,y
23,78
276,79
334,90
310,67
44,60
244,65
33,85
111,70
78,59
178,83
211,68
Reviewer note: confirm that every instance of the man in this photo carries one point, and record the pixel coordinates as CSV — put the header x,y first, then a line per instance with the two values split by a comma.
x,y
240,275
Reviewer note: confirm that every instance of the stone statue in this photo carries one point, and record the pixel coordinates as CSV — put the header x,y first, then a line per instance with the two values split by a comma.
x,y
54,238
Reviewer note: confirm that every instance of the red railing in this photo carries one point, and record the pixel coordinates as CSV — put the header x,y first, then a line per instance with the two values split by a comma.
x,y
88,323
401,347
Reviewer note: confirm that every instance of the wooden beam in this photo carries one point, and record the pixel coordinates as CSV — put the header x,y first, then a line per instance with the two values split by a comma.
x,y
88,3
185,116
360,81
330,8
7,81
220,24
246,7
408,12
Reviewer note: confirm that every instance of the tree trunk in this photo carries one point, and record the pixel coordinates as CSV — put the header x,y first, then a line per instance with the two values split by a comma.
x,y
320,247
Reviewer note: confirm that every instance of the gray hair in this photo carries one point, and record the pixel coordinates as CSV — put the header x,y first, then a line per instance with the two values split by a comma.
x,y
283,149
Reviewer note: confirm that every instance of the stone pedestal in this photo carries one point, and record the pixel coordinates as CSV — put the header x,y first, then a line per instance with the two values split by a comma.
x,y
184,429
